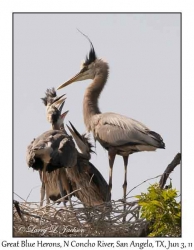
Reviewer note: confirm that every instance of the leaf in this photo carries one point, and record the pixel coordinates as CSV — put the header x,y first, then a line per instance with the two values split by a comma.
x,y
160,206
143,204
157,203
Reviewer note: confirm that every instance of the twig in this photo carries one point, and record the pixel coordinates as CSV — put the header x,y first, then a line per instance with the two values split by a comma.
x,y
143,183
35,216
16,203
19,196
169,169
31,191
50,205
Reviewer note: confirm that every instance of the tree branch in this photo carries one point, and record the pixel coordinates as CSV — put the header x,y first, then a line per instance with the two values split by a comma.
x,y
169,169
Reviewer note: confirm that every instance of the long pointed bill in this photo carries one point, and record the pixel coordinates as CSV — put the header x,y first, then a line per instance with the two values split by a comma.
x,y
64,114
58,98
78,139
61,107
58,105
76,132
73,79
59,101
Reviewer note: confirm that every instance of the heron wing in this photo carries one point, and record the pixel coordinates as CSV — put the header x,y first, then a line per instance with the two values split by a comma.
x,y
99,180
31,159
117,130
64,155
52,139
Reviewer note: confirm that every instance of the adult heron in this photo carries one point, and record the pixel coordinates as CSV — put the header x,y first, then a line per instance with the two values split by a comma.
x,y
118,134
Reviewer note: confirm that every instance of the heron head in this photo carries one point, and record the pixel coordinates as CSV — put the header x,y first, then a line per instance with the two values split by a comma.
x,y
54,111
51,98
90,68
50,95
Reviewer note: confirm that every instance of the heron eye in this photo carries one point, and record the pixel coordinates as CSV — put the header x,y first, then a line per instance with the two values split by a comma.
x,y
84,69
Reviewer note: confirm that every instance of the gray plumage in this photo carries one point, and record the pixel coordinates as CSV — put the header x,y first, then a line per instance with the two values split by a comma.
x,y
54,148
94,189
125,134
84,175
50,153
53,192
36,156
116,133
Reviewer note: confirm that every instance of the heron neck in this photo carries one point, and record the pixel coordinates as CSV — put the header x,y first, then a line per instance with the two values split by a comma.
x,y
55,126
92,94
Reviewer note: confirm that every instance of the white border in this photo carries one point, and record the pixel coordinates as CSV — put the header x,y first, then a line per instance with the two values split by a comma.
x,y
6,9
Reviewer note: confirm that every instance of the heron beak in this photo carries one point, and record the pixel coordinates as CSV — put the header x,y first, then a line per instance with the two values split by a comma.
x,y
78,139
76,78
59,101
74,131
64,114
58,98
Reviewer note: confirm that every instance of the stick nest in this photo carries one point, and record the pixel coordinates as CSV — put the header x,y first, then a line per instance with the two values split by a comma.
x,y
99,221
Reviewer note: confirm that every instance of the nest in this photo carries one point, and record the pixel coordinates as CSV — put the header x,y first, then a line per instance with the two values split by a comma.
x,y
30,220
78,221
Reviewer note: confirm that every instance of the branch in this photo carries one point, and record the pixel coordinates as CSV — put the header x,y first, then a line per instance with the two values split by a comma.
x,y
16,203
169,169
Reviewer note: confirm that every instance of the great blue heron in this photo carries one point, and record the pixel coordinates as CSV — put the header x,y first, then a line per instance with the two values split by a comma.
x,y
55,182
84,177
118,134
54,107
51,152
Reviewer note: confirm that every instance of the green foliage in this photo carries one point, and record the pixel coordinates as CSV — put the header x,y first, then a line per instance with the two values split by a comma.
x,y
160,208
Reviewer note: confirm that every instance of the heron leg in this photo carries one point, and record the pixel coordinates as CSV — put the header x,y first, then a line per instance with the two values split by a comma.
x,y
42,189
111,156
125,158
60,186
67,188
47,194
46,187
61,190
42,194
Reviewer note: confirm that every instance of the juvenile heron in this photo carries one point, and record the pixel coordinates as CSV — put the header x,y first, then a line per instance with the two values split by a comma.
x,y
84,177
50,153
118,134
